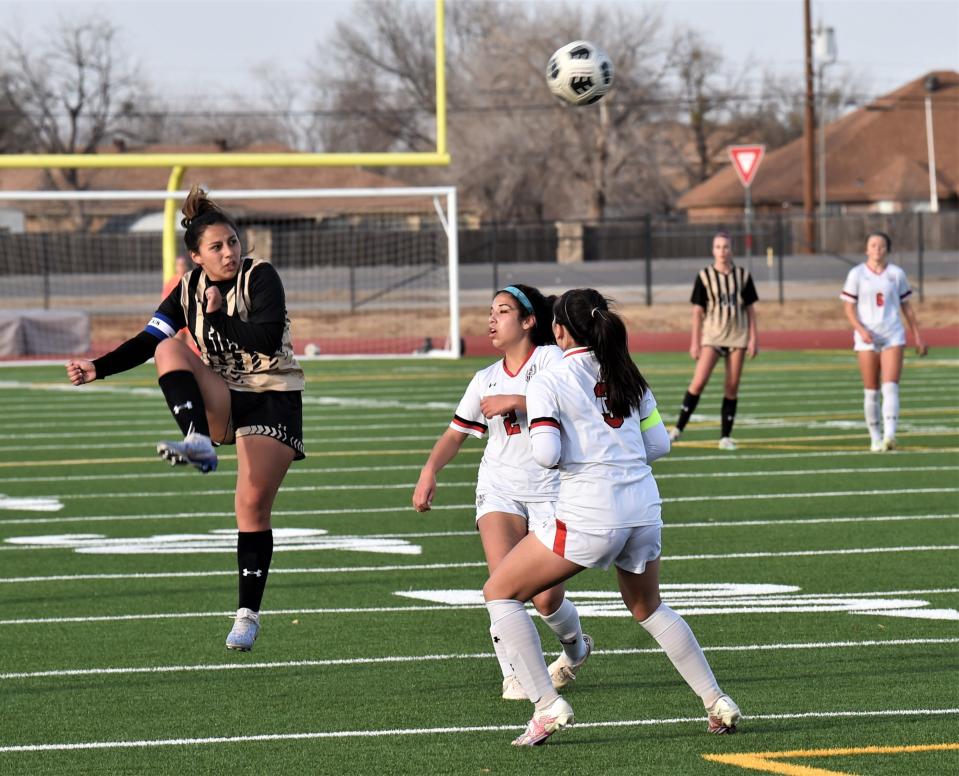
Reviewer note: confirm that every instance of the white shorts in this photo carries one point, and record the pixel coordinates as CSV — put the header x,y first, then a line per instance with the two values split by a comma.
x,y
880,341
531,511
629,548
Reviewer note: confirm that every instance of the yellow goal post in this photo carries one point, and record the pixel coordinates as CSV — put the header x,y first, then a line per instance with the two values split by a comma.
x,y
180,162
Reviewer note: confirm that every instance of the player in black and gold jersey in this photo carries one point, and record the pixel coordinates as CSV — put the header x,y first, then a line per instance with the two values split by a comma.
x,y
724,325
245,388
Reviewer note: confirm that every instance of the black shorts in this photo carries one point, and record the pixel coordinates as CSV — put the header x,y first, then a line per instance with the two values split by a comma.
x,y
277,414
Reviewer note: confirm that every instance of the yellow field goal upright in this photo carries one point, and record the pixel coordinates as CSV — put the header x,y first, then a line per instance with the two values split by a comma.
x,y
411,274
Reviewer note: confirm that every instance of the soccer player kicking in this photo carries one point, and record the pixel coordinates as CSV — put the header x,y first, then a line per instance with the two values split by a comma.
x,y
593,417
247,389
512,491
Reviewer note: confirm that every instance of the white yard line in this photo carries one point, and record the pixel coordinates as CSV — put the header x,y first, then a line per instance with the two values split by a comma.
x,y
415,467
420,567
399,659
351,511
472,483
313,735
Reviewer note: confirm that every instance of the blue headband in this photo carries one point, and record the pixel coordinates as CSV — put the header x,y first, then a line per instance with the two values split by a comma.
x,y
521,298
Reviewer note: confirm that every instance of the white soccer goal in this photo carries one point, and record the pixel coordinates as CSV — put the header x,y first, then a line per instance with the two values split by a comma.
x,y
367,271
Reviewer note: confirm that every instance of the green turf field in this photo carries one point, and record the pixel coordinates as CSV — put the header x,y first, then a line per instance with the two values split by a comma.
x,y
822,581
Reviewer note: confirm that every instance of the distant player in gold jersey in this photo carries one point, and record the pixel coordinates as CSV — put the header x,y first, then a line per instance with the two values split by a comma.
x,y
724,326
245,388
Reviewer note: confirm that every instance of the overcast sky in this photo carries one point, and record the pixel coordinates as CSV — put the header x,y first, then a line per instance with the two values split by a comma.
x,y
884,43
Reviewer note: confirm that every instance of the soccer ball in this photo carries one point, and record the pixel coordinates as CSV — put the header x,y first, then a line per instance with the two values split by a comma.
x,y
579,73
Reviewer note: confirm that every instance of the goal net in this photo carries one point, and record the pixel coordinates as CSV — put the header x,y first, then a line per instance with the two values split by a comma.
x,y
366,271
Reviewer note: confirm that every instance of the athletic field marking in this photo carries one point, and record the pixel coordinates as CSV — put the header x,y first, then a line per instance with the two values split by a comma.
x,y
416,467
676,458
472,484
474,564
768,762
321,734
437,658
101,462
673,521
379,610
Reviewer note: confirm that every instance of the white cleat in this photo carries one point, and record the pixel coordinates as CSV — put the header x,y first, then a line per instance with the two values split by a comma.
x,y
722,716
674,434
195,449
875,446
512,689
246,628
544,723
562,670
727,443
888,444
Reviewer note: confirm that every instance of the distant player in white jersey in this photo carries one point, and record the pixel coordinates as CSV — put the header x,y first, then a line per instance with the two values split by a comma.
x,y
512,490
875,294
593,417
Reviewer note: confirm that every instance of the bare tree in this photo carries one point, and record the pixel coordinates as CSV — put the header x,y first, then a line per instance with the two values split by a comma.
x,y
73,91
517,152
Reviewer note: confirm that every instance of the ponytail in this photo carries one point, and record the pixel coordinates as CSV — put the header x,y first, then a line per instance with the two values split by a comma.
x,y
199,212
586,315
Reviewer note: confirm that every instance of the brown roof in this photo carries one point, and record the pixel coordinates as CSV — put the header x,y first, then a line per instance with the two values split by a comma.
x,y
156,178
875,153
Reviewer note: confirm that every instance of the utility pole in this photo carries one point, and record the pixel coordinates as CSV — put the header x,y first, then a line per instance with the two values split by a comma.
x,y
809,138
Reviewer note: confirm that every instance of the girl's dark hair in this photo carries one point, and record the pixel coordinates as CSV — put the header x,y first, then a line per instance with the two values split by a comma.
x,y
199,212
538,305
884,236
586,315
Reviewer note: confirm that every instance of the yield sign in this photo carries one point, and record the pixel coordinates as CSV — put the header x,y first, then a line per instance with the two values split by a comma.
x,y
746,159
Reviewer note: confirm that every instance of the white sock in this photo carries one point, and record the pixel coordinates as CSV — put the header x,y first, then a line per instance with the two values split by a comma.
x,y
871,407
564,622
677,640
500,649
512,625
890,409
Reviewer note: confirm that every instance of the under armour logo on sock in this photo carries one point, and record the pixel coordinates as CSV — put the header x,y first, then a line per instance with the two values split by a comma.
x,y
185,406
247,573
496,639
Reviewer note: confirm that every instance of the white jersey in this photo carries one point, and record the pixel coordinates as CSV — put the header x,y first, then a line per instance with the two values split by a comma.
x,y
507,467
878,298
605,480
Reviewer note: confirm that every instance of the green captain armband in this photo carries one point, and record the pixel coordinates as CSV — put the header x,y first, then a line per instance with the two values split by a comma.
x,y
647,423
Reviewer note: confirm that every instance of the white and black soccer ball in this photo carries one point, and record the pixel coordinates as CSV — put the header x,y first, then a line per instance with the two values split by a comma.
x,y
579,73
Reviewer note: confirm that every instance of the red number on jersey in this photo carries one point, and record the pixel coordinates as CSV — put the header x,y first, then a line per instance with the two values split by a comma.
x,y
612,421
880,299
510,424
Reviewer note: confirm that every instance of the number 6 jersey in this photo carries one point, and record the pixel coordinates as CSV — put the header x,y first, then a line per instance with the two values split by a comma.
x,y
877,298
507,466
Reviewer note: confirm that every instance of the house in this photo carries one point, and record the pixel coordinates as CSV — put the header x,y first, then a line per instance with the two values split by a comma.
x,y
876,161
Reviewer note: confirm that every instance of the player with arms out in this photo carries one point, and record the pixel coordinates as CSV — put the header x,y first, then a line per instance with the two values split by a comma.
x,y
593,417
875,293
247,389
724,326
512,491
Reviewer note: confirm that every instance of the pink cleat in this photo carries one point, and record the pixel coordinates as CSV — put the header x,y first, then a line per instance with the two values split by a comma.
x,y
544,723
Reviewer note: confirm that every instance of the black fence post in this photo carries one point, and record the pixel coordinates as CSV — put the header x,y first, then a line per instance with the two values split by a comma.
x,y
920,253
780,249
648,219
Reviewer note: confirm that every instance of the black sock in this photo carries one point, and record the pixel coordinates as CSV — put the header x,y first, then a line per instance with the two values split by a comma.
x,y
182,393
690,400
254,550
729,415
